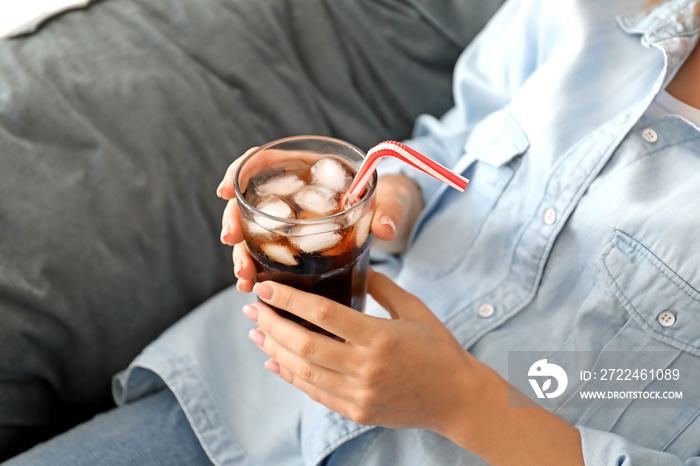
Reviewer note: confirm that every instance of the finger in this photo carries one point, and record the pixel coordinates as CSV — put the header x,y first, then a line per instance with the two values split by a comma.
x,y
388,212
243,264
231,232
303,369
243,268
245,286
339,320
386,220
225,189
330,400
397,301
398,204
305,344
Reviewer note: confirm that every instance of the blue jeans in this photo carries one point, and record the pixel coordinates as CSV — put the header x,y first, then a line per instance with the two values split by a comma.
x,y
150,431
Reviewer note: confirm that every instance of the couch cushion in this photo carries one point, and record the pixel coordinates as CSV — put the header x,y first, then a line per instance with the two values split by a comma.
x,y
117,122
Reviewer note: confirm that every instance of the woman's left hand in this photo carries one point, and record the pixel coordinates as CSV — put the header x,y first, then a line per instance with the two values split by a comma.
x,y
404,372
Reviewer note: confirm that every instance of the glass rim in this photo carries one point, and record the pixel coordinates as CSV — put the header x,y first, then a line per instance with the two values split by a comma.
x,y
369,191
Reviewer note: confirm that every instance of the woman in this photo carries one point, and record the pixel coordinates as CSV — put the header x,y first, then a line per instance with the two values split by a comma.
x,y
577,233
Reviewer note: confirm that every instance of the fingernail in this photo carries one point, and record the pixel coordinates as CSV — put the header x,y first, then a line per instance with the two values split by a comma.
x,y
257,337
250,312
237,267
385,220
263,290
222,185
225,230
272,366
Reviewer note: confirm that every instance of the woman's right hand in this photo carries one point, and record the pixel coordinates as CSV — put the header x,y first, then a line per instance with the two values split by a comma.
x,y
398,204
231,232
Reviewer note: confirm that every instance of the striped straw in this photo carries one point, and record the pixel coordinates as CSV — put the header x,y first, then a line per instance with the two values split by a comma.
x,y
406,154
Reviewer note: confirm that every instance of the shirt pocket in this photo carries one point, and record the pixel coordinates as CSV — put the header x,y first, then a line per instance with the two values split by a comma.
x,y
662,303
28,19
662,315
444,233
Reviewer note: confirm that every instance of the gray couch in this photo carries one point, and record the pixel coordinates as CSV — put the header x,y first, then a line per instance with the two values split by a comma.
x,y
117,122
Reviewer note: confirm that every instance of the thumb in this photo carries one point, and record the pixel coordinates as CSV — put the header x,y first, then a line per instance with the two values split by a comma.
x,y
398,205
391,198
225,189
387,217
397,301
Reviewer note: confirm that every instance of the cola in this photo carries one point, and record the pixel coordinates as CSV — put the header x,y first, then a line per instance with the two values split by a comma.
x,y
295,227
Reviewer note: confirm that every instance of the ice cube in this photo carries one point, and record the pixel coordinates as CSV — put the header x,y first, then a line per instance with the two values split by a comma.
x,y
281,185
275,207
279,253
353,216
315,238
362,229
256,230
331,174
317,199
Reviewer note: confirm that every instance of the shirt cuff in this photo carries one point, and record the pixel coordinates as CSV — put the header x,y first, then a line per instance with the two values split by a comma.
x,y
601,448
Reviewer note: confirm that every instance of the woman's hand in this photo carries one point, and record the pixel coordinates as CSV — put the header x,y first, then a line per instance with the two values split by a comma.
x,y
231,232
398,204
408,371
404,372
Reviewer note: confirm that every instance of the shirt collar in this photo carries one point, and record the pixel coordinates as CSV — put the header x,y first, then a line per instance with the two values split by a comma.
x,y
666,20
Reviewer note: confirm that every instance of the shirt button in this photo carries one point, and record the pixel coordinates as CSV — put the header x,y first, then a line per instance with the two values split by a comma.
x,y
650,135
486,310
666,318
550,216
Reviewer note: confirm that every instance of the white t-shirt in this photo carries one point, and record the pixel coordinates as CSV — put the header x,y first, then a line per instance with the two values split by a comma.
x,y
666,104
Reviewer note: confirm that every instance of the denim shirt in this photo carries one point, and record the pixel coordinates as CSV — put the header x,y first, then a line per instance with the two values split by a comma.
x,y
576,232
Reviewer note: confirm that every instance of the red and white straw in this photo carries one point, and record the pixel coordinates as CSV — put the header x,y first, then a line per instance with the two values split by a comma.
x,y
406,154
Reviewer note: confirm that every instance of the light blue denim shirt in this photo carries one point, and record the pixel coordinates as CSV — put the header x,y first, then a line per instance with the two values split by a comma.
x,y
576,232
